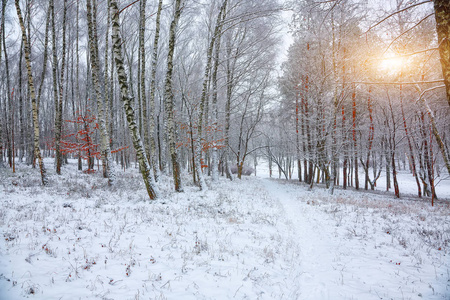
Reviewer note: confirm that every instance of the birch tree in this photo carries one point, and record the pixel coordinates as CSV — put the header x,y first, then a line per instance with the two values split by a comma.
x,y
218,36
151,128
58,97
37,151
107,162
169,100
127,101
2,34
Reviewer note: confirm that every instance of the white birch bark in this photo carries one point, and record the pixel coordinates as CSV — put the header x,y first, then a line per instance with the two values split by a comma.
x,y
153,157
146,171
169,103
218,35
107,161
37,150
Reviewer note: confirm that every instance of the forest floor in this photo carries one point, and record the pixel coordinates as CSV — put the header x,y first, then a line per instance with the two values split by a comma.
x,y
255,238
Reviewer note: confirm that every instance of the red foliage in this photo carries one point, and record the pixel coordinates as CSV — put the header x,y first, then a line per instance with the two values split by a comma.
x,y
81,143
208,141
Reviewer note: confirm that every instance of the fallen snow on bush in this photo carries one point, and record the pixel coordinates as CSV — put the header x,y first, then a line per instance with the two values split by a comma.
x,y
247,239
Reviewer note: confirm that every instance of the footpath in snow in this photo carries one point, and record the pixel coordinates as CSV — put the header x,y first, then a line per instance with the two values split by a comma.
x,y
364,247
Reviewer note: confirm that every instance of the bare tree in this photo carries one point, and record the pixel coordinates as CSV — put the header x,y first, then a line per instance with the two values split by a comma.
x,y
144,166
169,100
108,165
33,97
151,129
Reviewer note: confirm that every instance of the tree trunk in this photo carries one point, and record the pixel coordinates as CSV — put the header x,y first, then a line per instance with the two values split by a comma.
x,y
442,15
412,160
143,98
366,164
21,121
127,101
108,97
107,161
8,102
345,152
230,80
218,35
303,113
2,34
153,157
310,172
80,162
334,155
392,148
437,136
203,101
394,175
57,100
61,89
33,97
355,145
297,137
169,101
430,168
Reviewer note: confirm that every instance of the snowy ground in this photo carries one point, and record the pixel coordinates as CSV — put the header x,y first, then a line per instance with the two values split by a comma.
x,y
257,238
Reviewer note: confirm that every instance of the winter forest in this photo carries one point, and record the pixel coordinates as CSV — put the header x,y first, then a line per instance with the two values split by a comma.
x,y
219,149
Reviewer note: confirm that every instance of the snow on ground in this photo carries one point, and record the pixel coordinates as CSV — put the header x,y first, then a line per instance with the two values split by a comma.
x,y
255,238
407,182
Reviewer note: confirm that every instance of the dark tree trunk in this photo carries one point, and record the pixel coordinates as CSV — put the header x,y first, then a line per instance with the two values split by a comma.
x,y
442,15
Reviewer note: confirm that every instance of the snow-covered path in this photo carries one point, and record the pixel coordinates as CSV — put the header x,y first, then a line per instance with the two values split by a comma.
x,y
348,262
318,262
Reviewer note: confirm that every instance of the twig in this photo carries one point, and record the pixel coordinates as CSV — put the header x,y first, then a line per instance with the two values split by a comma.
x,y
400,83
394,13
407,30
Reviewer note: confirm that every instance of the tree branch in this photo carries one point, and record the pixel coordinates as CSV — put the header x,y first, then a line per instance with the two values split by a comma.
x,y
398,83
396,12
407,30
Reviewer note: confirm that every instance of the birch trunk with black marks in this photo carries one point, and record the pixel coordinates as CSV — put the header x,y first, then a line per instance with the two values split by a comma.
x,y
151,129
218,36
169,101
204,97
77,75
2,32
108,167
108,97
145,169
230,80
55,89
144,123
58,99
33,97
44,69
7,111
8,101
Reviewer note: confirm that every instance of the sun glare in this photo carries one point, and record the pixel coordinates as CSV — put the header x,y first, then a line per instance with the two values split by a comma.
x,y
392,64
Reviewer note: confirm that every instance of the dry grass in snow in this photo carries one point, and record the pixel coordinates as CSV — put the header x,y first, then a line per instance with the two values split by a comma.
x,y
249,239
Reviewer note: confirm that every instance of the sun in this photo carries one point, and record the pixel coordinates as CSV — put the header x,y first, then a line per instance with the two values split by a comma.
x,y
392,64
